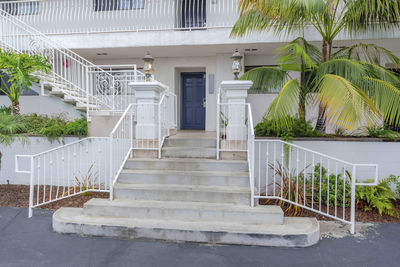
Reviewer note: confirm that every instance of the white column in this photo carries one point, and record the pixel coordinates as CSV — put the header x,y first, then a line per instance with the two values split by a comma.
x,y
235,96
147,97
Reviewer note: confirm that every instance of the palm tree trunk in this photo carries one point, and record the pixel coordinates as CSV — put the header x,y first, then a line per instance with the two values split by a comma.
x,y
326,55
302,108
15,107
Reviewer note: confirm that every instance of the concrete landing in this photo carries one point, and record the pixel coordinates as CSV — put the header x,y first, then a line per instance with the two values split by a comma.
x,y
295,232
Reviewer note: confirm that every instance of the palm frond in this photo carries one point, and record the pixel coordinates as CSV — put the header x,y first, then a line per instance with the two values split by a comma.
x,y
369,53
284,105
386,98
298,54
366,15
347,106
266,78
348,69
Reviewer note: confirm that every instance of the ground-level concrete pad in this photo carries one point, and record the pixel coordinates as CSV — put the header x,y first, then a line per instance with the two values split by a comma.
x,y
295,232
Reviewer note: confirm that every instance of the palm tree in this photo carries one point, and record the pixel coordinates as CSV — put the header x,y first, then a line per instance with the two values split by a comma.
x,y
19,68
328,17
353,91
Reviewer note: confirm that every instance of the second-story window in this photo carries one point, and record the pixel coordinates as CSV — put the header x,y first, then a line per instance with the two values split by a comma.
x,y
108,5
21,8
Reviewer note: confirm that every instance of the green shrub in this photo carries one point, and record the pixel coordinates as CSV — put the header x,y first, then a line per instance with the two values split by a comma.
x,y
5,110
378,197
321,184
381,132
298,128
33,124
78,127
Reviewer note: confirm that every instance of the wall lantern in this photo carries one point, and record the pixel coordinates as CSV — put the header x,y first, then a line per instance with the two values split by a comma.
x,y
237,64
148,67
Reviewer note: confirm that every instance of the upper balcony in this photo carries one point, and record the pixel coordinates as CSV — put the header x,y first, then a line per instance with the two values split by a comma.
x,y
104,16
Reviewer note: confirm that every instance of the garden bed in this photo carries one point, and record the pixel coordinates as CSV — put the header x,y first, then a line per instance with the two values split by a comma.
x,y
18,196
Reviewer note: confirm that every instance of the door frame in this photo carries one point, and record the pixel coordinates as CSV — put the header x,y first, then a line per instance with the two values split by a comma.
x,y
181,97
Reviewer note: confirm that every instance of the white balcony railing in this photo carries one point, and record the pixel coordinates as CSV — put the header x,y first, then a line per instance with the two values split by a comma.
x,y
85,16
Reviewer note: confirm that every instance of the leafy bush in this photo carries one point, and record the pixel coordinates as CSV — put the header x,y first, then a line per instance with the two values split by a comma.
x,y
378,197
291,185
298,128
5,110
381,132
335,188
33,124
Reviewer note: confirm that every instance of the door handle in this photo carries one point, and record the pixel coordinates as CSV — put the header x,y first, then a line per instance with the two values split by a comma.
x,y
204,103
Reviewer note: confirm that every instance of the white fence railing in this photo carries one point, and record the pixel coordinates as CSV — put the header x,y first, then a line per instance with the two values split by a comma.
x,y
66,171
283,172
85,16
90,86
121,139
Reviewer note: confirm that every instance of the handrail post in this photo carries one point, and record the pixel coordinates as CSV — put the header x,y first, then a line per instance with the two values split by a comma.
x,y
87,94
353,201
111,167
159,128
31,191
131,128
218,123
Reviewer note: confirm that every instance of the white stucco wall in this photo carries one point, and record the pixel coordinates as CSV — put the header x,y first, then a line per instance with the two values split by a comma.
x,y
385,154
44,105
35,145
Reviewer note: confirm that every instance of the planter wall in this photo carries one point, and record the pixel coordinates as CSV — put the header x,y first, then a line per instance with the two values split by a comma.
x,y
385,154
35,145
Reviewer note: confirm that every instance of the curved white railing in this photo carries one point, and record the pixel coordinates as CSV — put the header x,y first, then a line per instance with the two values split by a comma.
x,y
86,16
92,88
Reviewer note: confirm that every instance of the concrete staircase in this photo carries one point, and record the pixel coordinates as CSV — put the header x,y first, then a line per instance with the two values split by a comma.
x,y
187,196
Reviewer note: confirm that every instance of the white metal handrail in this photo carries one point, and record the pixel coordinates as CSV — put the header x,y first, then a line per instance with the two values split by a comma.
x,y
86,16
121,139
90,86
66,171
283,171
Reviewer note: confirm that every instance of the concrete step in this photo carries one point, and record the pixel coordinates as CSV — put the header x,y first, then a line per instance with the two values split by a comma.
x,y
187,164
192,193
294,232
189,152
184,177
190,142
82,107
184,211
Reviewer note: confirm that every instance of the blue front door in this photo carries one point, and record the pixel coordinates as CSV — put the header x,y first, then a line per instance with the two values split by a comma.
x,y
193,94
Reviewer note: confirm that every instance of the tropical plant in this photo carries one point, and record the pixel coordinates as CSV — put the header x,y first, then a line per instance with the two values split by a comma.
x,y
297,128
381,132
86,182
10,130
342,84
19,69
290,187
379,197
331,18
328,186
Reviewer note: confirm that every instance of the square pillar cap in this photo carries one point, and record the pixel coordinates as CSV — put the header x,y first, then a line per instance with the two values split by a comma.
x,y
236,85
147,86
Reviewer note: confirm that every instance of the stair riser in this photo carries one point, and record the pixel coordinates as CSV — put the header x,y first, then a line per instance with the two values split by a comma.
x,y
186,166
187,179
190,153
184,214
195,196
190,143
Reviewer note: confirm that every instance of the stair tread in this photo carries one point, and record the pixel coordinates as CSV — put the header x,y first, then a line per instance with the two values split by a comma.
x,y
175,187
291,226
192,160
183,205
179,172
188,148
